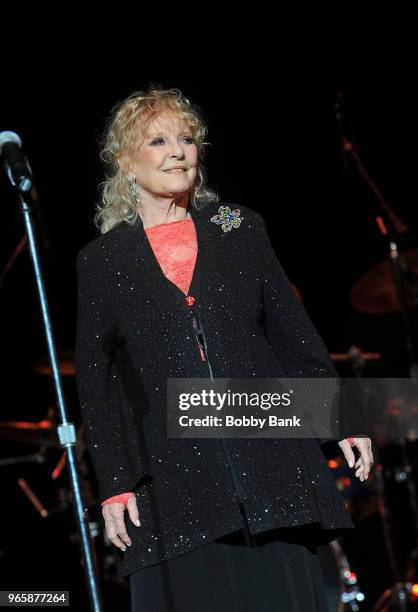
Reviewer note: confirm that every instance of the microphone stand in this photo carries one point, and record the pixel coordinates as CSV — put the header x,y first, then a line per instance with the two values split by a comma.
x,y
66,430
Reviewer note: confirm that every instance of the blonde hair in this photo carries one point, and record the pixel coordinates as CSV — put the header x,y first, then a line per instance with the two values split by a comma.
x,y
135,113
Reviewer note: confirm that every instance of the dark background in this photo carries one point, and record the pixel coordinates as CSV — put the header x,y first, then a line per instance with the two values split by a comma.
x,y
275,147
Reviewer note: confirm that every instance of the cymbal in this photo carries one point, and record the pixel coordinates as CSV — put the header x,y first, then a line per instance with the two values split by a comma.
x,y
65,364
375,292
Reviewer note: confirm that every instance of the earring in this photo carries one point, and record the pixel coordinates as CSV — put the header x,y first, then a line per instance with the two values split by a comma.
x,y
134,187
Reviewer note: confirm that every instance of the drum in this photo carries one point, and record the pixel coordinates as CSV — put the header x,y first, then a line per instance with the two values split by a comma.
x,y
340,582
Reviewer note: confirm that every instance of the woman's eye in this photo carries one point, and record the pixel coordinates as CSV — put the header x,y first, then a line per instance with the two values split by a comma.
x,y
187,139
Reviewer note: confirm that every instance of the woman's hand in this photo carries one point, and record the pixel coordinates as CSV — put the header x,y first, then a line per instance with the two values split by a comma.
x,y
365,460
113,514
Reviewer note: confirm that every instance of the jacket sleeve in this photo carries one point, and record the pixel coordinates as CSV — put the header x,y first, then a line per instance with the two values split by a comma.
x,y
291,333
100,389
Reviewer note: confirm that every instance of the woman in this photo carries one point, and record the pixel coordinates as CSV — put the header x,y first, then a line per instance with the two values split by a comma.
x,y
181,286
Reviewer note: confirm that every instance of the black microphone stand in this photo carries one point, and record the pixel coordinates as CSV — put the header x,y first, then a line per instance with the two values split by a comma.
x,y
66,430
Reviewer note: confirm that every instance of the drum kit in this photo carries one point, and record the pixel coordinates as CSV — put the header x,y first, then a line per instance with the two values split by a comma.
x,y
378,293
50,495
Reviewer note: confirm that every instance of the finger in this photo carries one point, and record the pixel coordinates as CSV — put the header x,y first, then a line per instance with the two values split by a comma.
x,y
363,448
369,451
114,517
348,453
113,536
366,459
121,530
360,473
132,508
118,543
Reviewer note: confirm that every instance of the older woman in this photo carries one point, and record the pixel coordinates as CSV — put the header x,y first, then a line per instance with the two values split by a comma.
x,y
181,286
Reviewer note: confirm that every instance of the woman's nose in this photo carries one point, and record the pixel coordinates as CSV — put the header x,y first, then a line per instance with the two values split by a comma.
x,y
176,150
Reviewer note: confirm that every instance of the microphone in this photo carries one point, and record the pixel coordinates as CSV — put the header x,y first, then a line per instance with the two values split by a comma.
x,y
15,162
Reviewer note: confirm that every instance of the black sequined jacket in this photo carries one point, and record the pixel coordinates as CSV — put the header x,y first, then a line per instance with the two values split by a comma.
x,y
134,331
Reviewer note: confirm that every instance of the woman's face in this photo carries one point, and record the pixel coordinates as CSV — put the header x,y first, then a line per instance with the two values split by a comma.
x,y
165,161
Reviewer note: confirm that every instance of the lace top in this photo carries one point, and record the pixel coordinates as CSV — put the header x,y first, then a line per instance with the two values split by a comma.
x,y
175,247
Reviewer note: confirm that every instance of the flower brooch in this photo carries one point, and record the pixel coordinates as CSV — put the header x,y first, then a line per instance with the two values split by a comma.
x,y
228,218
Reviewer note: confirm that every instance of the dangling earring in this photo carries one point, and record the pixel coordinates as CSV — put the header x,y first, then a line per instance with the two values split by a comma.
x,y
134,187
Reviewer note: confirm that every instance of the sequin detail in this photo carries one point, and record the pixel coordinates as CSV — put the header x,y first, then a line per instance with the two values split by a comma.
x,y
134,331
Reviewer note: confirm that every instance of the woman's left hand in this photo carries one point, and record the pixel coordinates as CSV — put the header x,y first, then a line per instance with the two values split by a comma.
x,y
365,460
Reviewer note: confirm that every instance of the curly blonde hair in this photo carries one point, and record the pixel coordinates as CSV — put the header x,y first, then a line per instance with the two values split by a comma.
x,y
132,114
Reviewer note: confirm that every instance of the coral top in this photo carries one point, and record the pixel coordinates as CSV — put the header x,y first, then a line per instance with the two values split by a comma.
x,y
175,247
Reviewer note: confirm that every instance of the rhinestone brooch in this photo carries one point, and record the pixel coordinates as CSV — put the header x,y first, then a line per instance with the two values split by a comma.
x,y
228,218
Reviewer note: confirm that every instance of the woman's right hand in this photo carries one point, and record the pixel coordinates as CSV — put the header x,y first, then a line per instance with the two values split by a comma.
x,y
114,516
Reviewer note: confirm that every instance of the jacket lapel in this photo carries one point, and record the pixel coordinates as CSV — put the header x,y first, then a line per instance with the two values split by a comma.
x,y
145,257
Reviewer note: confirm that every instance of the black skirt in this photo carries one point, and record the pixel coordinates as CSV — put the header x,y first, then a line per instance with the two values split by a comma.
x,y
278,570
